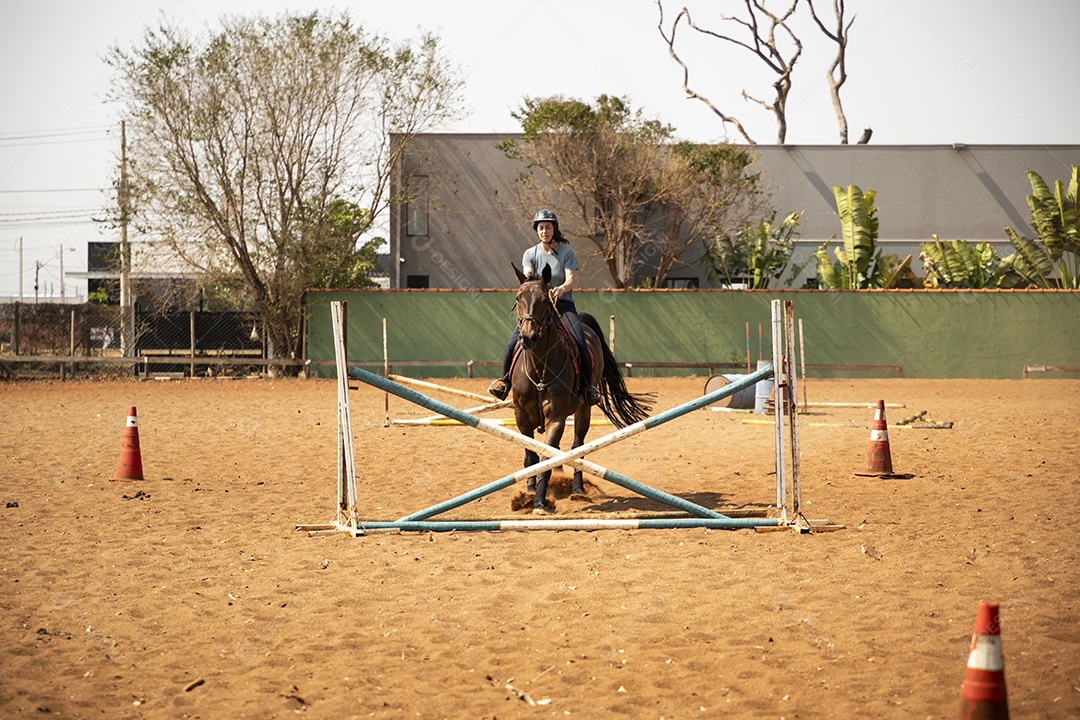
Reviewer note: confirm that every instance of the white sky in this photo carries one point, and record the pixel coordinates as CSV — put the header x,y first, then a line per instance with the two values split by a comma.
x,y
919,72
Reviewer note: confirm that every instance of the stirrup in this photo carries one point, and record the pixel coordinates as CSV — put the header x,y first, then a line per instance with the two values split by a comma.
x,y
500,389
592,395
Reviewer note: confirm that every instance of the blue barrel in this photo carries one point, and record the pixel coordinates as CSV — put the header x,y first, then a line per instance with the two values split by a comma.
x,y
742,400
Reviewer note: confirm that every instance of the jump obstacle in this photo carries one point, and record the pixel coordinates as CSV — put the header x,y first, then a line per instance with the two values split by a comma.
x,y
788,504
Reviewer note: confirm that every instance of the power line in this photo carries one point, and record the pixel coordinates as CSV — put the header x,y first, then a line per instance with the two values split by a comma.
x,y
22,220
6,144
54,190
5,137
45,214
45,223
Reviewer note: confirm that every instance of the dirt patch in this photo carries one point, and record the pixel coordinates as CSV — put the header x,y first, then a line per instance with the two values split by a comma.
x,y
190,594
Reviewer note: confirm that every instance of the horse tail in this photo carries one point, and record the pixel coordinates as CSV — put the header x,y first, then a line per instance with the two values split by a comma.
x,y
621,406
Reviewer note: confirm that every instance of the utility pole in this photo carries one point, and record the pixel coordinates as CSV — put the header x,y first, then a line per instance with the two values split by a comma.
x,y
20,270
37,274
61,274
127,320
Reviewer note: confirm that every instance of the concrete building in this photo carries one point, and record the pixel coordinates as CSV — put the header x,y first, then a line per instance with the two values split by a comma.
x,y
467,220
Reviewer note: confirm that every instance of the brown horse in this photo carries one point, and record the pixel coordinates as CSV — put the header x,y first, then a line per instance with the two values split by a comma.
x,y
546,387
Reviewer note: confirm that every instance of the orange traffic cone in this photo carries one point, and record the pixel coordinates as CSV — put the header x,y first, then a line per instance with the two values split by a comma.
x,y
879,457
130,467
982,695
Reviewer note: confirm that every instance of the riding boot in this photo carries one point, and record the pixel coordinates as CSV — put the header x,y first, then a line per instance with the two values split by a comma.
x,y
501,387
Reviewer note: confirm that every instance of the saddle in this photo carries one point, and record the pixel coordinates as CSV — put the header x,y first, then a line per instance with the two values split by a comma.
x,y
571,346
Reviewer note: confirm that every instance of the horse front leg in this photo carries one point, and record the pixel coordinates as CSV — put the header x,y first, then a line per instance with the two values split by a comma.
x,y
531,458
540,503
525,426
582,418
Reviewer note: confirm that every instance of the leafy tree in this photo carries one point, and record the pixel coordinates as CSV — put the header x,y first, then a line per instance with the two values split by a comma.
x,y
635,193
337,261
255,146
99,296
756,254
701,191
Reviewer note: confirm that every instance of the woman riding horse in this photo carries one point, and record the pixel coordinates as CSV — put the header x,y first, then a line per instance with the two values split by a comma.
x,y
554,252
546,378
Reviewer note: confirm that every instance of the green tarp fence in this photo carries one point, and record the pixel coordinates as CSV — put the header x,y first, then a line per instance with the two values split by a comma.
x,y
867,333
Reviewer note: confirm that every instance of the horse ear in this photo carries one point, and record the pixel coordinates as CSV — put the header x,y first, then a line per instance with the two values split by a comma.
x,y
547,274
520,275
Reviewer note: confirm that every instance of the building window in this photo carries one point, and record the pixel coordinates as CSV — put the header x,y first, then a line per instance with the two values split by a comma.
x,y
691,282
416,281
416,209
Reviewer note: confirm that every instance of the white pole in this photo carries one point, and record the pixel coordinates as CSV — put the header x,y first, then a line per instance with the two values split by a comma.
x,y
802,368
779,373
386,373
20,269
61,274
348,498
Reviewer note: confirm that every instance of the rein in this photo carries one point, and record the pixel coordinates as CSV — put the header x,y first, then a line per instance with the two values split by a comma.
x,y
539,372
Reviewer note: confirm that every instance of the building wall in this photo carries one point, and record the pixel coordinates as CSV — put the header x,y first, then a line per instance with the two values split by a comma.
x,y
479,224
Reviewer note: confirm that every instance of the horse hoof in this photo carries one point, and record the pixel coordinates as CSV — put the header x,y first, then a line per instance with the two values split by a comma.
x,y
541,510
579,497
530,486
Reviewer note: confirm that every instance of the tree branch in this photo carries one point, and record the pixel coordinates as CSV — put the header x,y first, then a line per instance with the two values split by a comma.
x,y
765,47
837,73
692,94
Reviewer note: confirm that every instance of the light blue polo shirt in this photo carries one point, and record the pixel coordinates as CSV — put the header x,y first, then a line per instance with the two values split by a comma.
x,y
535,259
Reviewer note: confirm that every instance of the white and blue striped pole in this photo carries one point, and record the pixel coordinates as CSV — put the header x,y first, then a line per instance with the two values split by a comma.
x,y
556,459
721,523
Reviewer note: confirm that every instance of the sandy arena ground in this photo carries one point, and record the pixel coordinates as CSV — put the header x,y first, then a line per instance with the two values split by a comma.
x,y
191,595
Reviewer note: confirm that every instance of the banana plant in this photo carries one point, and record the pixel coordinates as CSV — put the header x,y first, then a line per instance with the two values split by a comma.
x,y
958,264
859,263
1030,262
760,253
1056,219
858,230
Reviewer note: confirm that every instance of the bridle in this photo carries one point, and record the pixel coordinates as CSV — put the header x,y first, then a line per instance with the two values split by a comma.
x,y
541,326
539,373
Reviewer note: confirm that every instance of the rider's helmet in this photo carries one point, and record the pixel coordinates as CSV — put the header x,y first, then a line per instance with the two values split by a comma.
x,y
545,216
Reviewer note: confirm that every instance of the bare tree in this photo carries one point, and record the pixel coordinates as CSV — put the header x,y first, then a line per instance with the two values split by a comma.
x,y
837,73
766,34
263,152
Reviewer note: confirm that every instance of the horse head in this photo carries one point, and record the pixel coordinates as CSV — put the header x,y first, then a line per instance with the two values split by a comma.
x,y
534,307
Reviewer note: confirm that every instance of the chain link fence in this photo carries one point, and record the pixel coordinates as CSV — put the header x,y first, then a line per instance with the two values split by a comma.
x,y
46,339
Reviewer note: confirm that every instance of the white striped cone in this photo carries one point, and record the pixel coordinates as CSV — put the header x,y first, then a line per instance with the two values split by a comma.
x,y
983,696
879,457
130,466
